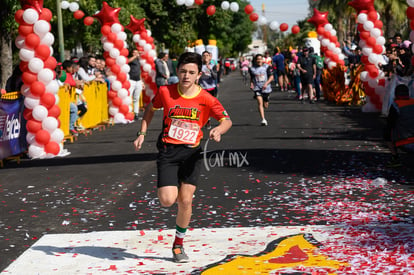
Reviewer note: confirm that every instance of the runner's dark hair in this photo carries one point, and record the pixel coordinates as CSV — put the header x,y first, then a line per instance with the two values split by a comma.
x,y
190,57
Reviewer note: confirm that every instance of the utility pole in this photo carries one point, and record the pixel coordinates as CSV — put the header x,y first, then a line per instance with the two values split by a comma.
x,y
60,32
264,27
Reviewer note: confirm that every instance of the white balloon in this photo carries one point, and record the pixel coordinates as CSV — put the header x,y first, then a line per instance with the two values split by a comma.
x,y
125,68
36,151
111,78
119,118
108,46
189,3
147,47
57,99
127,100
362,18
180,2
337,51
50,124
364,76
41,27
122,93
122,35
26,54
410,3
375,32
373,58
341,56
35,65
234,6
136,38
225,5
149,33
116,28
325,42
147,68
328,27
368,25
64,5
274,25
113,110
52,87
331,65
381,40
121,60
39,112
45,76
31,101
57,135
142,42
30,16
73,6
114,53
116,85
262,20
333,32
19,41
152,53
367,51
373,83
47,39
30,138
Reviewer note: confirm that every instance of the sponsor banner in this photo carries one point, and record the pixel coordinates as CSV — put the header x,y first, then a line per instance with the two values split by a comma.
x,y
11,131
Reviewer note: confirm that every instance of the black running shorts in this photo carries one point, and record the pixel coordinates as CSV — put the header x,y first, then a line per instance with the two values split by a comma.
x,y
177,164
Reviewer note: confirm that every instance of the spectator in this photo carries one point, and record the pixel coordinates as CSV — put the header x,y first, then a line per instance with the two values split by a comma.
x,y
399,130
68,67
135,79
162,70
307,67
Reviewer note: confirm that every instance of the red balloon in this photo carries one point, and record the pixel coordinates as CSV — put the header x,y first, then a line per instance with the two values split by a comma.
x,y
37,88
248,9
364,35
28,77
88,20
119,44
318,18
199,2
122,76
78,14
24,66
50,63
378,24
126,85
54,111
211,10
253,17
373,15
48,100
32,41
125,52
361,5
295,29
284,27
116,101
18,16
130,116
124,109
52,147
27,114
110,61
42,51
42,137
112,95
46,15
378,49
105,30
143,35
115,68
410,13
111,37
412,24
25,30
107,15
33,126
320,30
371,41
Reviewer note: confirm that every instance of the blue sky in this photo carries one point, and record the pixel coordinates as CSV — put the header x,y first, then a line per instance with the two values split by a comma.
x,y
283,11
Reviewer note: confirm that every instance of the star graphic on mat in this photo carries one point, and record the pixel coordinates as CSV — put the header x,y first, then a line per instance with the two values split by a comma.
x,y
136,25
318,18
361,5
108,15
34,4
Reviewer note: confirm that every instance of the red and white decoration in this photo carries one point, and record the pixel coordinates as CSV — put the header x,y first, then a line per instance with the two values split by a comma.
x,y
329,41
145,45
116,57
372,44
40,88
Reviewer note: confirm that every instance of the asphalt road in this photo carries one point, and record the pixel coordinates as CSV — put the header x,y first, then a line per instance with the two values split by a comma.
x,y
309,155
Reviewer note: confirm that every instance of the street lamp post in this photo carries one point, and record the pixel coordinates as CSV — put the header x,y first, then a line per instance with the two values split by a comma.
x,y
60,32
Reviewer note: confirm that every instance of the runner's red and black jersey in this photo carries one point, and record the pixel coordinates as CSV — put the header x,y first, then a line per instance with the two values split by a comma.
x,y
193,111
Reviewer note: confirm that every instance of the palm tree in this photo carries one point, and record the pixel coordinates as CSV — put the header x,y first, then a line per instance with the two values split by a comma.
x,y
393,16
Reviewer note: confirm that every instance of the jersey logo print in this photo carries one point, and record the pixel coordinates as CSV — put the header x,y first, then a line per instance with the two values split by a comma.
x,y
184,113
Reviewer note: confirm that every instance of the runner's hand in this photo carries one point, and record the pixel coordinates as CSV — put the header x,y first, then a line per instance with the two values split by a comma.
x,y
138,142
215,134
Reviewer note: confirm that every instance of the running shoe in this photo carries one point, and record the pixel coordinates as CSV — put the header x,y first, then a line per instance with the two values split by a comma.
x,y
74,132
264,122
179,255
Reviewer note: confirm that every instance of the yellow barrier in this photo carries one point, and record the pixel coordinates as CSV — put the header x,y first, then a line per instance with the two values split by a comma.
x,y
95,94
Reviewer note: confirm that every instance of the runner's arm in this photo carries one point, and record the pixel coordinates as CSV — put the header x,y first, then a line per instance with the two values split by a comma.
x,y
148,114
221,129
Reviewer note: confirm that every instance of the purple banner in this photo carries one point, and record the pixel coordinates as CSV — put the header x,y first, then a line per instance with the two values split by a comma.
x,y
11,132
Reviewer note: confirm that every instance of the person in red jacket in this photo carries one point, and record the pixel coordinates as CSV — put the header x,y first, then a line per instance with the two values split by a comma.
x,y
399,130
